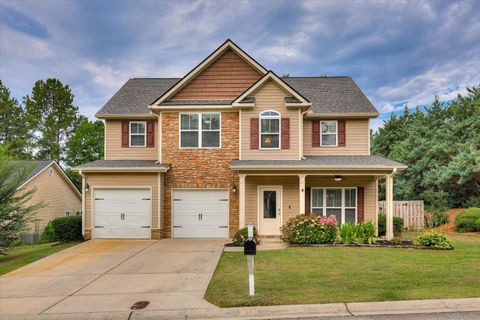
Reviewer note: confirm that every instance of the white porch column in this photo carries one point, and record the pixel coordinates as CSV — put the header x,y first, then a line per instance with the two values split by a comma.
x,y
301,191
241,199
389,206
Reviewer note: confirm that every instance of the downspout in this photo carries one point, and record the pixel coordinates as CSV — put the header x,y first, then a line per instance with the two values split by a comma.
x,y
301,134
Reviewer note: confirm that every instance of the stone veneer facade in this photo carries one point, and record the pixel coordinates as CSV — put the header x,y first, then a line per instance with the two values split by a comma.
x,y
200,168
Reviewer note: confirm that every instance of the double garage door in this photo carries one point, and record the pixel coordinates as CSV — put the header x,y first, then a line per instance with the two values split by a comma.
x,y
126,213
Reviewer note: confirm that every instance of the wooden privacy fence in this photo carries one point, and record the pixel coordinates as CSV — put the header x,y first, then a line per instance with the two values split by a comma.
x,y
412,212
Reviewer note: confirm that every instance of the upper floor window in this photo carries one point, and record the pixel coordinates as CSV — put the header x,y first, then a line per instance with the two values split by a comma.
x,y
329,133
269,130
200,130
138,133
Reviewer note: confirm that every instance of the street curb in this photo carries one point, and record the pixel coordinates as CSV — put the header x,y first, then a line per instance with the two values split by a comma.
x,y
275,312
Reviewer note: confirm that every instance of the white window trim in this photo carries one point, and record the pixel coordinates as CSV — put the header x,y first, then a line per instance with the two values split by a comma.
x,y
137,134
78,211
324,204
65,213
199,130
279,117
336,134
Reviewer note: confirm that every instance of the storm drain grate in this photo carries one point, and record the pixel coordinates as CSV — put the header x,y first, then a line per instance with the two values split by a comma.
x,y
139,305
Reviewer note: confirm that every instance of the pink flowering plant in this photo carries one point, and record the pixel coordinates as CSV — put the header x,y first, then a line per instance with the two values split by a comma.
x,y
310,229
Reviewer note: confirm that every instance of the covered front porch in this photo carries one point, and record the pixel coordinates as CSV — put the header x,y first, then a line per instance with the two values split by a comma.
x,y
270,193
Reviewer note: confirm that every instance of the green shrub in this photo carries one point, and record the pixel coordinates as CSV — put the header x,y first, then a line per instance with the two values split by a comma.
x,y
68,228
242,235
397,225
434,239
310,229
363,232
48,234
468,220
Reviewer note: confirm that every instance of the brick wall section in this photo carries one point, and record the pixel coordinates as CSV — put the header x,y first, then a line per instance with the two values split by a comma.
x,y
200,168
225,78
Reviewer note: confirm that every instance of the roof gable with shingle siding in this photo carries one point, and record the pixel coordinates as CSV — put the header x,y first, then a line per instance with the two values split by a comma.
x,y
225,78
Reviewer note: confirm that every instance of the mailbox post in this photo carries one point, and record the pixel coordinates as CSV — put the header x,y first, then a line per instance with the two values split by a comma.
x,y
250,250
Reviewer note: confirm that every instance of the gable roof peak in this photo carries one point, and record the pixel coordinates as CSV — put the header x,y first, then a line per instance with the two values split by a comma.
x,y
228,44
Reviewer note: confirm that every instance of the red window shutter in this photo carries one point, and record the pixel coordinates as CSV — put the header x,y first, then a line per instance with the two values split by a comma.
x,y
254,133
315,133
308,209
150,134
125,134
285,133
360,204
341,133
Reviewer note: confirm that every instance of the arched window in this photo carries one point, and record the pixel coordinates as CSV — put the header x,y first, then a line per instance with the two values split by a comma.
x,y
270,130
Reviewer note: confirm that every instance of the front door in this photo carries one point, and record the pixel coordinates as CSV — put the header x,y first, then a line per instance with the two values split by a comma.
x,y
270,200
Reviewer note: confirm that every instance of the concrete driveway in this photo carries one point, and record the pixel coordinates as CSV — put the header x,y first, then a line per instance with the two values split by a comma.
x,y
111,275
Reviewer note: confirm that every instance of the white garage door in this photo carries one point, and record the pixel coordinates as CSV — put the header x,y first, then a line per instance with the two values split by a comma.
x,y
200,213
122,213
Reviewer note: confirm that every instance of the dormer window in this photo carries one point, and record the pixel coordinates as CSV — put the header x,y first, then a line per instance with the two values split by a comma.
x,y
328,134
138,133
270,130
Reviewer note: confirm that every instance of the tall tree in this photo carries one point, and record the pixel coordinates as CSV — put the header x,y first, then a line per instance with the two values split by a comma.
x,y
441,147
53,117
14,134
84,145
15,212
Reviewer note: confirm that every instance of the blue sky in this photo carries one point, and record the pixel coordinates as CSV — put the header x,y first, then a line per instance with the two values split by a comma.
x,y
397,51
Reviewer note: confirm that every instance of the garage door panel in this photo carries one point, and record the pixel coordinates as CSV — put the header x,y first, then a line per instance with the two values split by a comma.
x,y
122,213
200,213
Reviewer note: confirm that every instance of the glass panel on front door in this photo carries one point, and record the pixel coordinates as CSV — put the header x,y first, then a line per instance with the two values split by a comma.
x,y
269,204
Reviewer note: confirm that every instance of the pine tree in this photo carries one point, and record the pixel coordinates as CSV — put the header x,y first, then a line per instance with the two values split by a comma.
x,y
15,212
52,117
14,134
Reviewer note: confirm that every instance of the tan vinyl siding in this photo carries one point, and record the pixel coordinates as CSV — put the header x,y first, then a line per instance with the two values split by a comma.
x,y
368,182
226,78
290,195
119,181
54,191
357,136
270,97
113,144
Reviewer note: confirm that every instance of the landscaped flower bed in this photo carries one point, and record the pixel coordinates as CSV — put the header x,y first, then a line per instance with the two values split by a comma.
x,y
312,230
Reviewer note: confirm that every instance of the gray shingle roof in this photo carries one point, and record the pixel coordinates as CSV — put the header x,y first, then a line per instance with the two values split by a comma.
x,y
323,162
327,95
123,164
34,165
332,94
136,95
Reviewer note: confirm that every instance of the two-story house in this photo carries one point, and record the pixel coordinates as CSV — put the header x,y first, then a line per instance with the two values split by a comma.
x,y
228,144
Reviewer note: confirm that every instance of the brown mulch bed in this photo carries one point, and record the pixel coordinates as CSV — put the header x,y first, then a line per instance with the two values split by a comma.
x,y
407,244
450,226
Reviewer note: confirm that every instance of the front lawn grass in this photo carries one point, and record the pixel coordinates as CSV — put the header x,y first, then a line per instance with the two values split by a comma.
x,y
20,256
304,275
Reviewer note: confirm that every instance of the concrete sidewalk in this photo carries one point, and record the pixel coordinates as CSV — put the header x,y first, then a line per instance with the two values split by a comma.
x,y
276,312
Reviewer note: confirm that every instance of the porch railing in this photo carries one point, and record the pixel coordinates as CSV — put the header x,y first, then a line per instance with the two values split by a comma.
x,y
412,213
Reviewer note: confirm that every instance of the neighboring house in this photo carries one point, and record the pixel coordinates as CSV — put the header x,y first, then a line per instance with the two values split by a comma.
x,y
54,189
232,143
